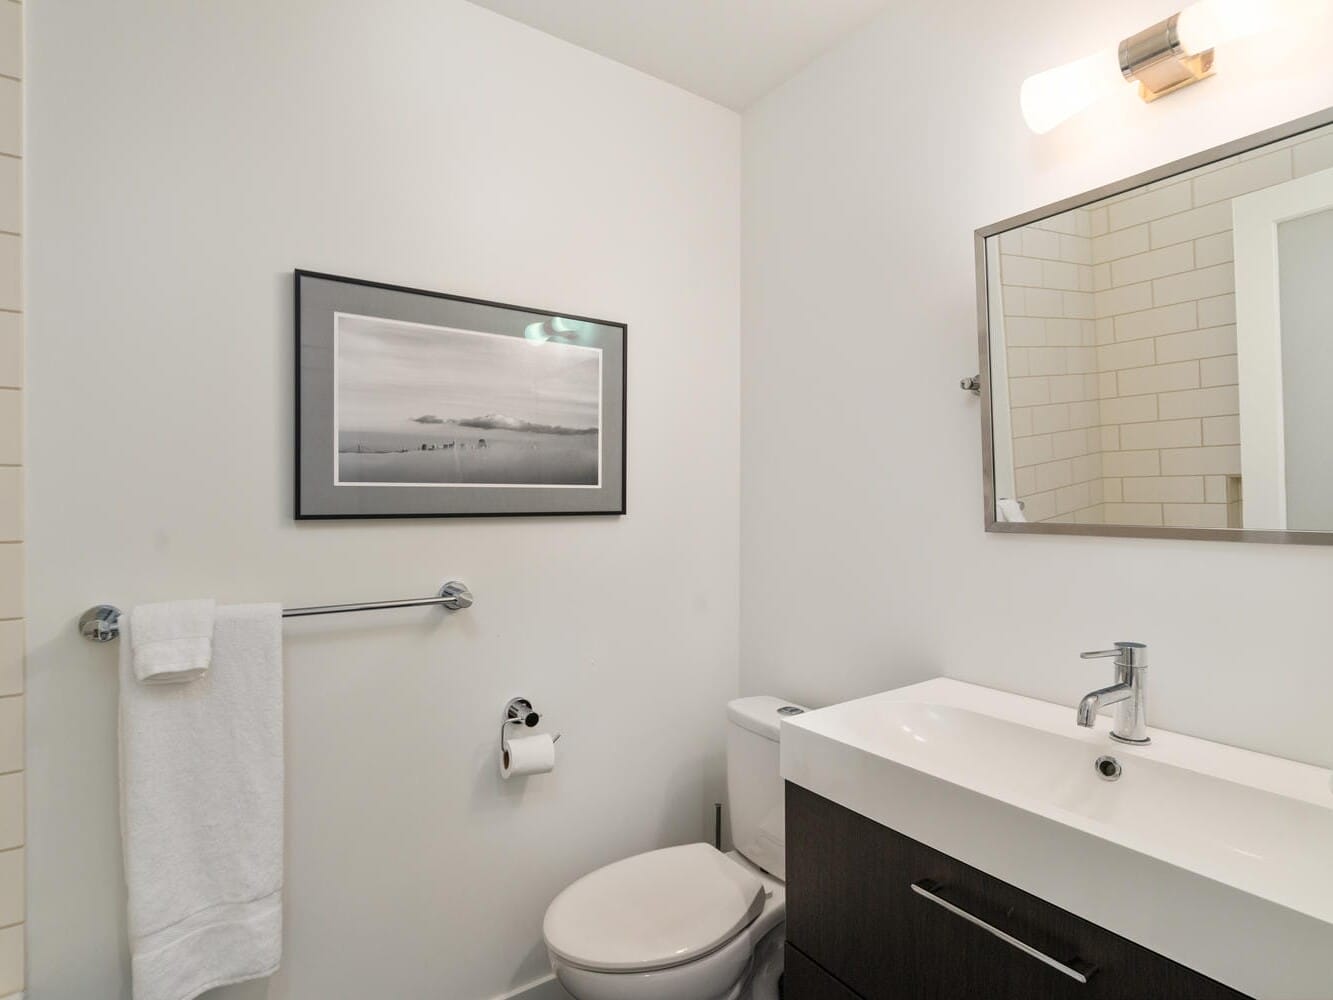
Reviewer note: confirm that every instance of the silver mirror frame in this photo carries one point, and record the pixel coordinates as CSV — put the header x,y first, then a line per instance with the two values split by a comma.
x,y
1245,145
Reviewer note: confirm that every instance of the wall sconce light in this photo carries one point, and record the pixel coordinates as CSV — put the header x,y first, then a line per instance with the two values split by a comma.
x,y
1160,62
1172,54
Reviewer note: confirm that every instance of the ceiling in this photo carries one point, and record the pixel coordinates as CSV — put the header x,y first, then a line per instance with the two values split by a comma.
x,y
729,51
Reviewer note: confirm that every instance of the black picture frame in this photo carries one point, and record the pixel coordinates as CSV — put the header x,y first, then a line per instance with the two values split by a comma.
x,y
333,310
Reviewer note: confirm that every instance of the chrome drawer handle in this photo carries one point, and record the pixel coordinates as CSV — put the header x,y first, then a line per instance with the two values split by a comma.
x,y
928,888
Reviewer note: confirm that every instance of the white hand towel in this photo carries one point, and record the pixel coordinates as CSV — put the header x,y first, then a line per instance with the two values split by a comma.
x,y
201,772
173,642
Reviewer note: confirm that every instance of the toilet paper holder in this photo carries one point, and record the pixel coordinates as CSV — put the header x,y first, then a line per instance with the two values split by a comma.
x,y
519,712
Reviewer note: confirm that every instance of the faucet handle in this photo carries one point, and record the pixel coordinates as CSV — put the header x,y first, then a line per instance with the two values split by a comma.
x,y
1128,654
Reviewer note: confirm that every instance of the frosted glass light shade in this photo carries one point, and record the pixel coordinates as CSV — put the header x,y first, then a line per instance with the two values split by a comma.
x,y
1210,23
1049,98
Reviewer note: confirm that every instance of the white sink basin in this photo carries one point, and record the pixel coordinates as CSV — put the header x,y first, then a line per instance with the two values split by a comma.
x,y
1219,858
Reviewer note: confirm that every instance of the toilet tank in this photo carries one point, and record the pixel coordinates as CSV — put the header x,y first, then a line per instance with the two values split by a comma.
x,y
754,780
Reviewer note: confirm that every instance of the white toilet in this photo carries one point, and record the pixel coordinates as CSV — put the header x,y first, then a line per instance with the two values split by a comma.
x,y
689,923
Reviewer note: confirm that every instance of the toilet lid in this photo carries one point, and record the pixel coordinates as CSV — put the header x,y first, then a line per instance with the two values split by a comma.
x,y
653,910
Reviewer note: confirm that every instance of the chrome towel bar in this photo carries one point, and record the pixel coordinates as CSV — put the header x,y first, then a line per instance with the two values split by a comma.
x,y
101,623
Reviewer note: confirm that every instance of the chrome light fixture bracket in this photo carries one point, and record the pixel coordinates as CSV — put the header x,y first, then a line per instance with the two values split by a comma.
x,y
1156,59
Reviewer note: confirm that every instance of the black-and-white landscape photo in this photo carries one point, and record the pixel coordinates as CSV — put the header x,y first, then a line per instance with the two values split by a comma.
x,y
427,405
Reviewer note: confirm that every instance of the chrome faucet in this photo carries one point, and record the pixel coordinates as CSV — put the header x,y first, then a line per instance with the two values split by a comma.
x,y
1129,694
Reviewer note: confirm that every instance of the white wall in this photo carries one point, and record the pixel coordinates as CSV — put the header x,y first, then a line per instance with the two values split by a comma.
x,y
184,158
864,563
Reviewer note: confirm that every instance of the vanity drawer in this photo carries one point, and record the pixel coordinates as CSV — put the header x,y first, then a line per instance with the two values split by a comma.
x,y
802,979
895,920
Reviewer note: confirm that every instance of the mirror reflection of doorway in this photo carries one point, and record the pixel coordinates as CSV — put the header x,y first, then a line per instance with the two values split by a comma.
x,y
1284,307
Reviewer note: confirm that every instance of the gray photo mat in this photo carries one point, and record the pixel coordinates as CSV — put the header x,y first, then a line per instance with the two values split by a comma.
x,y
320,298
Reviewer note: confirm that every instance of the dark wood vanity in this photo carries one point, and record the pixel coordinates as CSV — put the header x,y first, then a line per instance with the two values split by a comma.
x,y
874,915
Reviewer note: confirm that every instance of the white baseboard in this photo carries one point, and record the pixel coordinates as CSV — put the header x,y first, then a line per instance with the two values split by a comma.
x,y
547,988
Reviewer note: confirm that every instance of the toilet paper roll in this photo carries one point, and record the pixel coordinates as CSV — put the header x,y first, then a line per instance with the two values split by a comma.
x,y
527,755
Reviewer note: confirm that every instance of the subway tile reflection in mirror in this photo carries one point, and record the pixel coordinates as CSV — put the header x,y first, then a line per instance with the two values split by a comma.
x,y
1159,357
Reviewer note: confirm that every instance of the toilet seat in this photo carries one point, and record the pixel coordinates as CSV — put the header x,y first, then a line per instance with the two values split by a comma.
x,y
743,968
653,911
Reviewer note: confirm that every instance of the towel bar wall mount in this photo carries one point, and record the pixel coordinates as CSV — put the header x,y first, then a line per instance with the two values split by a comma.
x,y
101,623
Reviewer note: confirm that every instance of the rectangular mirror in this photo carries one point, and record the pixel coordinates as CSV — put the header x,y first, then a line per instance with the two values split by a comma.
x,y
1156,355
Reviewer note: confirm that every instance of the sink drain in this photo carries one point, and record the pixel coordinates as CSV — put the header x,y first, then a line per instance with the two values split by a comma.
x,y
1108,768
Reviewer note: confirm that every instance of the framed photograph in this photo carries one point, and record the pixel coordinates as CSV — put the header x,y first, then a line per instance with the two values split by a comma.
x,y
412,403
